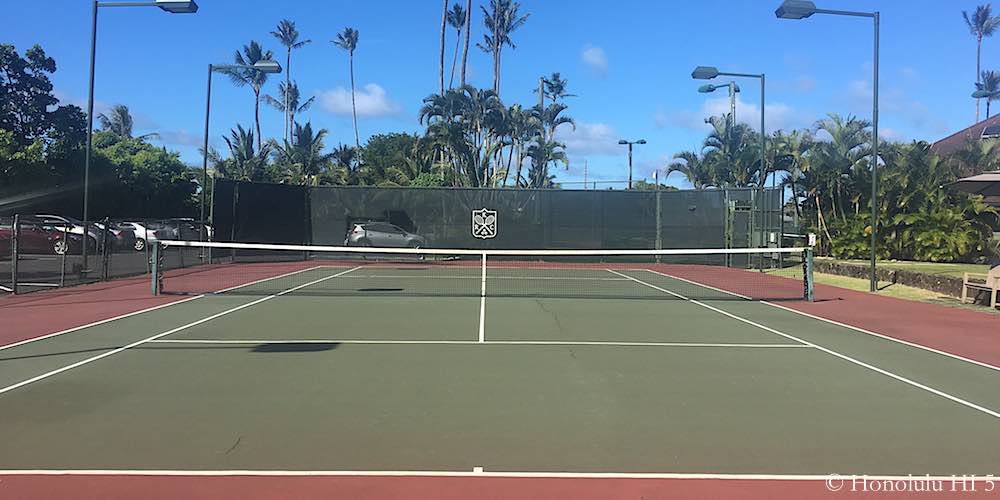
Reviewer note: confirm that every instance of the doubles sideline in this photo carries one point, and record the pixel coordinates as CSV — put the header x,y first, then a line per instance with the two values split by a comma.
x,y
829,351
168,332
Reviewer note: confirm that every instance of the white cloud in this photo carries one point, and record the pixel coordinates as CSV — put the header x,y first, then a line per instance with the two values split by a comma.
x,y
588,139
371,101
890,134
595,59
179,138
779,116
66,98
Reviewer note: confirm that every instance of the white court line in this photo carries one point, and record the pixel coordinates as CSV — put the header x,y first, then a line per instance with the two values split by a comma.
x,y
484,473
163,334
487,342
519,278
885,337
96,323
734,294
143,311
837,323
224,290
831,352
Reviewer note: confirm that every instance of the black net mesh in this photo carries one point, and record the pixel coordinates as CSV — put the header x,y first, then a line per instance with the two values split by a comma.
x,y
253,269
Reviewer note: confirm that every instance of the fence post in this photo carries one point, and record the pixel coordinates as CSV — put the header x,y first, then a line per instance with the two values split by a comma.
x,y
106,254
145,245
808,272
62,259
14,229
155,264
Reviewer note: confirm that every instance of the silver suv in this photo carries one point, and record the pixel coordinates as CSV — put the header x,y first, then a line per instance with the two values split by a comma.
x,y
382,234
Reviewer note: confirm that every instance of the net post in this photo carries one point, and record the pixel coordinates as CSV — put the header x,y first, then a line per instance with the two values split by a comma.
x,y
807,263
155,266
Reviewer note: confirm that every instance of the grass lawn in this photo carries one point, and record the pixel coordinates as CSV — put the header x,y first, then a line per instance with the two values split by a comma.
x,y
943,268
900,291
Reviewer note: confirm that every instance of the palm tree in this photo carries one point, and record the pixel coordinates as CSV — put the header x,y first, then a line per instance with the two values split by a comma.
x,y
523,126
733,153
990,82
120,122
245,162
541,153
289,37
551,118
791,155
500,20
456,19
981,24
444,25
289,95
346,157
302,160
348,40
244,76
468,25
843,160
555,87
696,170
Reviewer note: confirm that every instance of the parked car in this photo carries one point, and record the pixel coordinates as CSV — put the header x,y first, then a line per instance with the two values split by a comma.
x,y
382,234
75,226
5,249
40,238
142,232
185,229
119,237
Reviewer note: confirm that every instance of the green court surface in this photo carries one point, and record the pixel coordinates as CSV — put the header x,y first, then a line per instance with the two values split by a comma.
x,y
589,371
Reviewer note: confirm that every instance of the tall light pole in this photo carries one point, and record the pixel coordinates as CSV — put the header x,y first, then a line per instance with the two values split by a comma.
x,y
630,143
801,9
266,66
171,6
710,72
708,88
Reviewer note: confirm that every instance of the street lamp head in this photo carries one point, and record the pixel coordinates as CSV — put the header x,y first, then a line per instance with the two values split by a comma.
x,y
705,73
267,66
795,9
641,141
707,88
736,88
623,141
178,6
979,94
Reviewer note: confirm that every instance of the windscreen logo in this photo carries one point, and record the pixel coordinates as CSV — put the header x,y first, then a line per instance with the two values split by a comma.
x,y
484,224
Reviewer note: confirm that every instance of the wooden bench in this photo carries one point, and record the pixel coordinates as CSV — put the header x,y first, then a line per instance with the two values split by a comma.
x,y
977,282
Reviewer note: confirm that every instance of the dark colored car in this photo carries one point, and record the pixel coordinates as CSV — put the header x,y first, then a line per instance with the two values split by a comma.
x,y
95,234
39,238
382,234
121,238
177,229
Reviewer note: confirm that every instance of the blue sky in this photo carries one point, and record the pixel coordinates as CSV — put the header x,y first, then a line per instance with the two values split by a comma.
x,y
629,62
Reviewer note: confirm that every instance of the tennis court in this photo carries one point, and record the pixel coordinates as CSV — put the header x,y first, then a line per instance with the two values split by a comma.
x,y
576,366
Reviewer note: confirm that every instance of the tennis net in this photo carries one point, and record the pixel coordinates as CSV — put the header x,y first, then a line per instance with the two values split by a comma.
x,y
267,269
